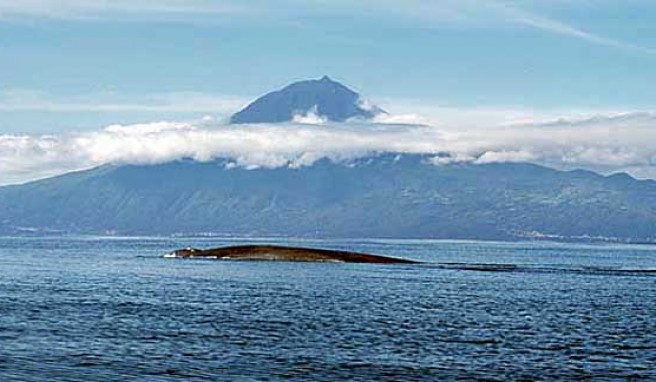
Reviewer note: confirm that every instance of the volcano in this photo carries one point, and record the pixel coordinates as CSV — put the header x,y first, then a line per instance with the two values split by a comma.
x,y
325,98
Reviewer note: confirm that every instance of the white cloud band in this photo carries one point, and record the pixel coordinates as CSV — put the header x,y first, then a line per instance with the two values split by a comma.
x,y
622,143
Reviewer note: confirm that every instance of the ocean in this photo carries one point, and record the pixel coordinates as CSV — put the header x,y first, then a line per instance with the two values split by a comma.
x,y
113,309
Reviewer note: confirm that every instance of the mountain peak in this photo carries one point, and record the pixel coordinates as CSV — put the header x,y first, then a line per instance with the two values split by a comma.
x,y
325,97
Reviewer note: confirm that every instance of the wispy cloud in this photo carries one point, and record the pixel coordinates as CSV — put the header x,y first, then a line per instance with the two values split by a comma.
x,y
536,21
605,144
169,102
485,13
98,9
444,115
491,13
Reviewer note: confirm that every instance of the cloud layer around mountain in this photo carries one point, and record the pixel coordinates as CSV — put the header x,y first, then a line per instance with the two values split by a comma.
x,y
604,144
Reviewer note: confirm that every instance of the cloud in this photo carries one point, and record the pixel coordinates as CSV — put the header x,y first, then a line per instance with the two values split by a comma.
x,y
171,102
561,28
605,144
413,111
118,9
311,117
493,13
468,13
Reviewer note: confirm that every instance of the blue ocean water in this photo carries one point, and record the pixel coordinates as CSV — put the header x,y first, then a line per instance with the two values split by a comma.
x,y
112,309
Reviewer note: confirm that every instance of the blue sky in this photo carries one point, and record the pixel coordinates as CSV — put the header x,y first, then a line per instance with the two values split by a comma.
x,y
563,83
79,65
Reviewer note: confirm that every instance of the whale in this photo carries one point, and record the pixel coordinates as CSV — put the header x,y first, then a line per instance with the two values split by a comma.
x,y
284,253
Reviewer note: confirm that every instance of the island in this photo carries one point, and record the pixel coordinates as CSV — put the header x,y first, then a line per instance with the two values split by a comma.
x,y
283,253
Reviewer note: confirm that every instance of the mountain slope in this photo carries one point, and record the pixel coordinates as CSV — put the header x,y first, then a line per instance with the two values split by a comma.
x,y
385,196
324,97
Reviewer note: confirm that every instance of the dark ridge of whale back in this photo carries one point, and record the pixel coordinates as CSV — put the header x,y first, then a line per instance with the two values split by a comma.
x,y
329,99
282,253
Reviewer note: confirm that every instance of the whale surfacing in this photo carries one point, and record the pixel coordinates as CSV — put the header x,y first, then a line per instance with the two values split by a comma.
x,y
282,253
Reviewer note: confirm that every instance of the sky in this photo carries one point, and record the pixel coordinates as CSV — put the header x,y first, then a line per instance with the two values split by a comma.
x,y
77,68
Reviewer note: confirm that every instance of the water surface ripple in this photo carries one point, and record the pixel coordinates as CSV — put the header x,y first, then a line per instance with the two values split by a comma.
x,y
107,309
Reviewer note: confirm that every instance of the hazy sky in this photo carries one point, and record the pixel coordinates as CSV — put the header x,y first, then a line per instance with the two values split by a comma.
x,y
81,65
565,83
